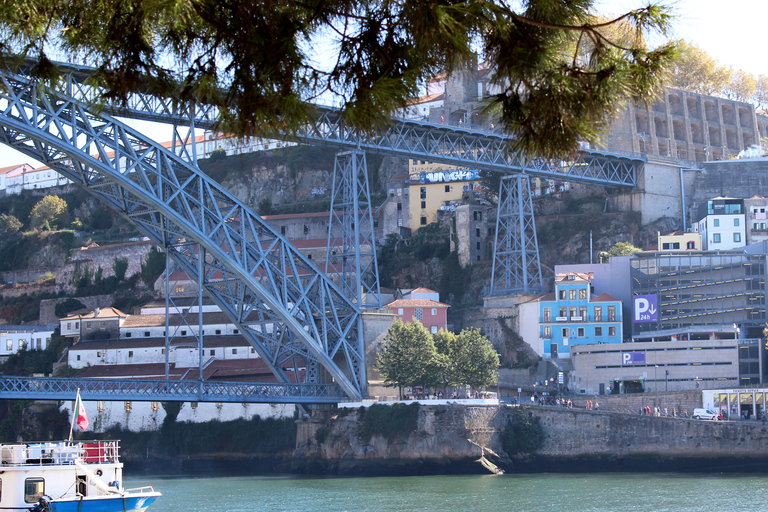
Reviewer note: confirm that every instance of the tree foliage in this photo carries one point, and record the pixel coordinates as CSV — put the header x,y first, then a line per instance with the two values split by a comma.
x,y
697,71
407,356
619,249
411,356
120,267
152,267
51,210
9,225
560,74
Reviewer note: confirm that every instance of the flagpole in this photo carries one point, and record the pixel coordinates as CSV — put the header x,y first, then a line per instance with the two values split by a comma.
x,y
74,414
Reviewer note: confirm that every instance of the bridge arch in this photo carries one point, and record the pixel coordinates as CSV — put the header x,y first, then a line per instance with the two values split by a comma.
x,y
290,312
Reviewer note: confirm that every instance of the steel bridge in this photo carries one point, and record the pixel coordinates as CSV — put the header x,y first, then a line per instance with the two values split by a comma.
x,y
291,312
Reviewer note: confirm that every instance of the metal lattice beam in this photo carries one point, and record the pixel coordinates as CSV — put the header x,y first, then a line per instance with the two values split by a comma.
x,y
516,267
290,312
143,390
464,147
351,251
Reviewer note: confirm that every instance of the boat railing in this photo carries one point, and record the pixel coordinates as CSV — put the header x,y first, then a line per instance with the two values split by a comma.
x,y
140,490
59,453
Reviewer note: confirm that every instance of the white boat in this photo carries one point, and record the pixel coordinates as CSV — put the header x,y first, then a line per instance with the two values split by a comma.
x,y
67,477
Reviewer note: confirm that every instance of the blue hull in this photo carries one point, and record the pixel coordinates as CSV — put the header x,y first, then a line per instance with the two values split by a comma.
x,y
132,504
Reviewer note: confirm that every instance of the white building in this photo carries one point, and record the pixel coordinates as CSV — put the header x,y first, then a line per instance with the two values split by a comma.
x,y
24,337
722,224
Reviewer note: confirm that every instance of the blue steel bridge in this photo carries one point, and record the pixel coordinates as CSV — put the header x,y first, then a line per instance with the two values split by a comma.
x,y
287,308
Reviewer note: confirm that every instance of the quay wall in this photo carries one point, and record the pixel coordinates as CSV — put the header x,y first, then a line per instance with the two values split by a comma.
x,y
453,438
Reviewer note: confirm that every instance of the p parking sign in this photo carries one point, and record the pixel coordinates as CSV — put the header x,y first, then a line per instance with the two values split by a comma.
x,y
645,308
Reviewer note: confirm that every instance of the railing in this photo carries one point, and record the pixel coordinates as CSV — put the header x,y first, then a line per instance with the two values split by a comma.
x,y
167,390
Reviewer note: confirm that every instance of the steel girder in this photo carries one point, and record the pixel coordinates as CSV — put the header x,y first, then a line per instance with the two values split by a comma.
x,y
464,147
142,390
351,251
516,267
291,313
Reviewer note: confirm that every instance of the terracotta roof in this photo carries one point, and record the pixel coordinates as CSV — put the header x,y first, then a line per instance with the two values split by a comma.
x,y
135,343
604,297
426,99
158,320
416,303
422,290
6,170
103,313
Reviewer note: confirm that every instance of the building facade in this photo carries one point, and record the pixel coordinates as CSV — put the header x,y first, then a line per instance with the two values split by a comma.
x,y
573,316
24,337
722,224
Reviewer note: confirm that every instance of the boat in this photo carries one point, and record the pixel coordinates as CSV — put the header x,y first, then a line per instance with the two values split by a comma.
x,y
66,476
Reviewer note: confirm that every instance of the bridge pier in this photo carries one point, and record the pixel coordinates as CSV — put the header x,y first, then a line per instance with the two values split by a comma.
x,y
516,268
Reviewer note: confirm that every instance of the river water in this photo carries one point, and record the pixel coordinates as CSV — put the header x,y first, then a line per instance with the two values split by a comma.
x,y
610,492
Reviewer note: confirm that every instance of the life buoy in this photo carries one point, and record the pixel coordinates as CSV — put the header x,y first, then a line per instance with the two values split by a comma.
x,y
98,472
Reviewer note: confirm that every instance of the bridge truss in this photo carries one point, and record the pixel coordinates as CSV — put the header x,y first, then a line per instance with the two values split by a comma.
x,y
292,313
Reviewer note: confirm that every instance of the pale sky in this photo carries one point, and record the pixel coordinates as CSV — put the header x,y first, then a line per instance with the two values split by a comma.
x,y
729,30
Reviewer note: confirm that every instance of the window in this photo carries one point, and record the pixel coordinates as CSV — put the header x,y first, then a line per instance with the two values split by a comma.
x,y
547,331
87,325
580,332
419,314
736,221
179,288
98,353
130,353
547,317
184,333
716,223
146,334
400,311
611,331
447,188
128,405
34,488
477,232
128,334
583,313
737,237
474,215
8,344
399,207
561,294
434,311
564,332
583,293
69,324
253,350
306,229
572,311
690,245
433,329
423,221
716,238
572,294
423,205
423,193
235,331
598,313
563,312
78,357
212,353
611,313
665,246
77,325
282,230
234,351
193,405
598,331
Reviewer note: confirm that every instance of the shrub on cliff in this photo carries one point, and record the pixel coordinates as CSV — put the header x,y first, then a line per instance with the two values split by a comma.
x,y
523,435
389,421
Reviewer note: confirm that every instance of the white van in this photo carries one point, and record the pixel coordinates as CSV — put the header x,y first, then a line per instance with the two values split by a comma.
x,y
704,414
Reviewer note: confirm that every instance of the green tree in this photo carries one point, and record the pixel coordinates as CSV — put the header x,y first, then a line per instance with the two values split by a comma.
x,y
65,307
408,357
51,210
697,71
265,206
560,75
761,92
473,360
152,266
9,225
619,249
120,267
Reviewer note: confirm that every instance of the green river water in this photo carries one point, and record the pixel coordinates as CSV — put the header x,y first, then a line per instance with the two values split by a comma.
x,y
619,492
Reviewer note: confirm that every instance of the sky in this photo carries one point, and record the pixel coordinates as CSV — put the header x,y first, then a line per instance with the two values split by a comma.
x,y
729,30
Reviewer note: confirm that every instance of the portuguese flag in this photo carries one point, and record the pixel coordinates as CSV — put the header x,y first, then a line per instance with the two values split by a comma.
x,y
80,417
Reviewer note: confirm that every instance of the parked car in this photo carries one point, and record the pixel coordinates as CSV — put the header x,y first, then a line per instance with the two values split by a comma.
x,y
704,414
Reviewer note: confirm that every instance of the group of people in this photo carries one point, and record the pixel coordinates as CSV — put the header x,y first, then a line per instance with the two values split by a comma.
x,y
657,411
593,406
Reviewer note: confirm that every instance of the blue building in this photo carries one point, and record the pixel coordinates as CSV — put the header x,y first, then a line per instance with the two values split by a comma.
x,y
572,316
